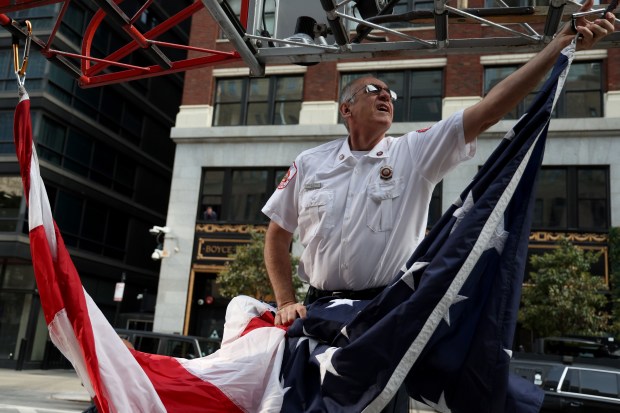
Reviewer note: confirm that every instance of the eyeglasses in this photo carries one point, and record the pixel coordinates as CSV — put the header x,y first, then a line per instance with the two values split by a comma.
x,y
375,90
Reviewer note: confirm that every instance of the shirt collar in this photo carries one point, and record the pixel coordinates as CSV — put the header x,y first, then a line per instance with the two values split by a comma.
x,y
381,150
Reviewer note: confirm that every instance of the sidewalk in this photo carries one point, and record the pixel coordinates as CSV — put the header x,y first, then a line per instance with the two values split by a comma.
x,y
57,384
65,385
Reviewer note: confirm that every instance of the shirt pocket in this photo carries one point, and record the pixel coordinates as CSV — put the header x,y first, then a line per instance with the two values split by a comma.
x,y
317,215
379,200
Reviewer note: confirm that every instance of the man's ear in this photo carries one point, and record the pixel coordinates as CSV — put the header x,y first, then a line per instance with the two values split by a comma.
x,y
345,111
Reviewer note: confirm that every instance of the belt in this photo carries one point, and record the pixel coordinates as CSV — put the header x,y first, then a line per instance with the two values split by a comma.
x,y
368,294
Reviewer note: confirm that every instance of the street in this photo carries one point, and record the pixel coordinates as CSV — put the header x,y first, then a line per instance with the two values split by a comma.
x,y
41,391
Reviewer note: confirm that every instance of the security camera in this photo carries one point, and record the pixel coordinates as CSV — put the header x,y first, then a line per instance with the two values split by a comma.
x,y
159,230
158,254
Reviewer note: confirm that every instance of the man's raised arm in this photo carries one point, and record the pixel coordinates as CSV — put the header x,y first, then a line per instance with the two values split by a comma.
x,y
510,91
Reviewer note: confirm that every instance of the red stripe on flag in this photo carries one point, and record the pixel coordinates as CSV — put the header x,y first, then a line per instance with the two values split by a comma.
x,y
22,136
172,381
266,319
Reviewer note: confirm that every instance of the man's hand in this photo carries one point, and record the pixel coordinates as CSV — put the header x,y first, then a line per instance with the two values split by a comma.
x,y
590,31
287,313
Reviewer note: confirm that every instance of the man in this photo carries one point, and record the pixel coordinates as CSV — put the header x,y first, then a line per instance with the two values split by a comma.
x,y
210,214
361,203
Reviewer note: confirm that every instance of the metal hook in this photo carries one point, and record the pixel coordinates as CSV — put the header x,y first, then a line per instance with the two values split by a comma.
x,y
601,12
20,70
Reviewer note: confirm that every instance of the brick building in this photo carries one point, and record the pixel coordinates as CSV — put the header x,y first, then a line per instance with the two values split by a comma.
x,y
236,135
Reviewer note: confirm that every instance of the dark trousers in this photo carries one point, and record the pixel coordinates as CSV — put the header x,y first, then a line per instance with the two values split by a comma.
x,y
400,401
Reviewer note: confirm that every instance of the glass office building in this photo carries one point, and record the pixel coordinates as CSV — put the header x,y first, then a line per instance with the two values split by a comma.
x,y
106,160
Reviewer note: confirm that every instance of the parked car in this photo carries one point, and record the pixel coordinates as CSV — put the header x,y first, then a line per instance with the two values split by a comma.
x,y
577,346
174,345
571,385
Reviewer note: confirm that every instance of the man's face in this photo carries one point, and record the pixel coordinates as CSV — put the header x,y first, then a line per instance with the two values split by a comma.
x,y
372,106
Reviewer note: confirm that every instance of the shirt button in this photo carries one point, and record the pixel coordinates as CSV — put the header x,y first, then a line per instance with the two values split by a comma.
x,y
379,153
341,157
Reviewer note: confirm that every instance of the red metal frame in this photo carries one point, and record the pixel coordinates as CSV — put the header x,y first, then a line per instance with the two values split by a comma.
x,y
91,71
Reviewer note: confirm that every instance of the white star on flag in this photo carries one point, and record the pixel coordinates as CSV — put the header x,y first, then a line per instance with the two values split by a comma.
x,y
440,406
325,362
456,299
340,301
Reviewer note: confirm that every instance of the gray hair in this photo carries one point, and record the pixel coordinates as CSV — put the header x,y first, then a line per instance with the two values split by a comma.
x,y
346,94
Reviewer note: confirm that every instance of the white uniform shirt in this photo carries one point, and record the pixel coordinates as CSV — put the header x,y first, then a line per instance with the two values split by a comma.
x,y
358,229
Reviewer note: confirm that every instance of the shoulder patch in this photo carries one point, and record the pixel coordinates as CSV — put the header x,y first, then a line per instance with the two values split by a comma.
x,y
290,174
423,130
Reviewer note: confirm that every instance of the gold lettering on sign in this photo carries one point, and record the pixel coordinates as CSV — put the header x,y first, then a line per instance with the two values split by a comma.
x,y
220,249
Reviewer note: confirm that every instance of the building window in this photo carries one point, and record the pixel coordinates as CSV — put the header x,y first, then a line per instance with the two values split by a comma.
x,y
405,6
106,106
74,24
89,225
6,132
11,193
420,92
572,198
582,96
70,149
35,71
238,194
267,20
274,100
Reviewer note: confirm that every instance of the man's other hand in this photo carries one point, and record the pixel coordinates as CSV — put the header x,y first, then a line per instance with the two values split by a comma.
x,y
288,313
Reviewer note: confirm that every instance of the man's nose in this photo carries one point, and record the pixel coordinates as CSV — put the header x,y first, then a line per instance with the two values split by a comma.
x,y
384,94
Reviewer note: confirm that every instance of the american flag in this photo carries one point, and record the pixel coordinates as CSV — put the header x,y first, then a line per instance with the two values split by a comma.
x,y
444,328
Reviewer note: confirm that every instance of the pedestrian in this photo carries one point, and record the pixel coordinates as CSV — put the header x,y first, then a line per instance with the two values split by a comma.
x,y
361,203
